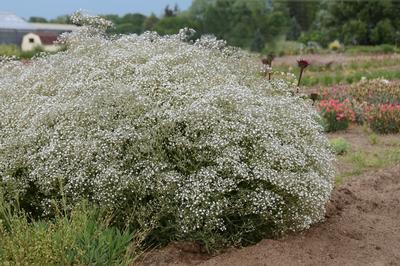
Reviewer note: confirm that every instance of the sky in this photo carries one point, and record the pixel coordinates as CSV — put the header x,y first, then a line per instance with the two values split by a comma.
x,y
53,8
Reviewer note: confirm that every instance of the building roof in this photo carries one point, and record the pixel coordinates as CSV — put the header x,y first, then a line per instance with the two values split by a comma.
x,y
51,26
11,21
47,38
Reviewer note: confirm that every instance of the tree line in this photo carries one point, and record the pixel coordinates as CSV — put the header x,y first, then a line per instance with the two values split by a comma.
x,y
253,24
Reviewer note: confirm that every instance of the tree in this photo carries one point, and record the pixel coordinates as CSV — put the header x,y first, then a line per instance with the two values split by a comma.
x,y
258,42
168,12
384,32
359,22
37,20
355,32
304,12
64,19
172,25
294,30
150,22
239,22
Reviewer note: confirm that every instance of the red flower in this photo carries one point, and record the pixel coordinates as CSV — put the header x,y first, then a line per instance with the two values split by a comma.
x,y
265,61
302,63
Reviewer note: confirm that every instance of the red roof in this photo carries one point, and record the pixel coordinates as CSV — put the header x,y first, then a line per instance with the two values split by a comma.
x,y
47,38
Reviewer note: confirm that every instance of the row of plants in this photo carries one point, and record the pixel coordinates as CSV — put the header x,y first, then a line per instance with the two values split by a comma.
x,y
350,77
12,50
82,235
286,47
327,70
373,102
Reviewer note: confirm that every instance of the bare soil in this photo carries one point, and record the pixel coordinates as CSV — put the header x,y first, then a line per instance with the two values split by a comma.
x,y
362,227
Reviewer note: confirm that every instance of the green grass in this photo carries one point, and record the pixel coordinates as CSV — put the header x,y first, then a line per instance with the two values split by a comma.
x,y
332,78
361,161
339,146
12,50
82,237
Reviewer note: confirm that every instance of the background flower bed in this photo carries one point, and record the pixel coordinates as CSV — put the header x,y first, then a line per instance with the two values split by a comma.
x,y
374,102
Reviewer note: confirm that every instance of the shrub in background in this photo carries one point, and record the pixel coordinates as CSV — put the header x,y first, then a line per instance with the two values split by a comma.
x,y
335,46
336,115
339,146
376,91
373,139
181,137
384,118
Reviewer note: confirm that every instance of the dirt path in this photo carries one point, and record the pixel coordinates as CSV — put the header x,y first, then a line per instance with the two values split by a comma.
x,y
362,228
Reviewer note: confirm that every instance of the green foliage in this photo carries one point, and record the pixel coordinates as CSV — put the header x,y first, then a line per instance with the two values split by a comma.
x,y
37,19
281,48
81,236
258,42
373,139
150,22
64,19
384,32
9,50
331,124
356,22
252,24
335,115
12,50
130,23
304,12
247,24
385,118
294,30
339,146
376,49
172,24
355,32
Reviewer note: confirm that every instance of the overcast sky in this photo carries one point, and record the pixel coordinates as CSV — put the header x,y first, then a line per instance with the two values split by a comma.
x,y
54,8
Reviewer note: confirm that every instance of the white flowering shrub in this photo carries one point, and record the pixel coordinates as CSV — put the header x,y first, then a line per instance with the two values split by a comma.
x,y
186,138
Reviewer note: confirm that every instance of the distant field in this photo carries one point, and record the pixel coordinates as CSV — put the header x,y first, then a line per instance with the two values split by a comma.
x,y
340,68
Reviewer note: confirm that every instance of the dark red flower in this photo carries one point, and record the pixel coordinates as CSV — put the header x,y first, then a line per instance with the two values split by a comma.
x,y
265,61
302,63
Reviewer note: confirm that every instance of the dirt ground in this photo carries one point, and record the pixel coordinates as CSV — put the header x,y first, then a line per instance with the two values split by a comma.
x,y
362,227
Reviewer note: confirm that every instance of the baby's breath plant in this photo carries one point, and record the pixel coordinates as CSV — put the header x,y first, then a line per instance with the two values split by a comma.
x,y
183,137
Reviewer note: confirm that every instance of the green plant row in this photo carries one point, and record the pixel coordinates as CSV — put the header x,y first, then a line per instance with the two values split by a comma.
x,y
12,50
81,236
341,78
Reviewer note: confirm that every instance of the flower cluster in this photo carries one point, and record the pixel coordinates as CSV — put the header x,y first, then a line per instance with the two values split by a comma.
x,y
372,101
183,137
376,91
384,118
336,114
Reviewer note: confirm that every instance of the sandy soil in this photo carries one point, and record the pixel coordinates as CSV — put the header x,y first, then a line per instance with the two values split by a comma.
x,y
362,227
